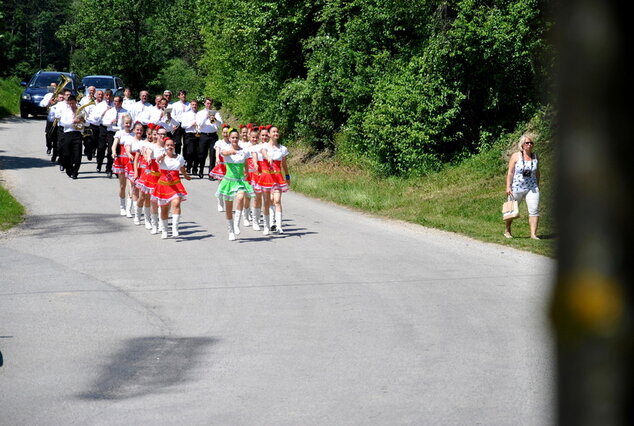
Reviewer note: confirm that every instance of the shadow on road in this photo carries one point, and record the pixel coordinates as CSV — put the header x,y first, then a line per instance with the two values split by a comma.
x,y
8,162
52,226
147,365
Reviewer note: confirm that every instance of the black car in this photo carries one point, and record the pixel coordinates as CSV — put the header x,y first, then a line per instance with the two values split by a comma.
x,y
38,87
103,82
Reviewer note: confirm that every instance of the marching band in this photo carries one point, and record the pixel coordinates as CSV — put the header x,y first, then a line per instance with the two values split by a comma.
x,y
149,147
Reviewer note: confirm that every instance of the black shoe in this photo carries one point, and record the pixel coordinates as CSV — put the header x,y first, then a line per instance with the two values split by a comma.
x,y
189,171
89,157
74,176
200,174
48,151
61,168
53,159
109,174
273,228
99,169
194,171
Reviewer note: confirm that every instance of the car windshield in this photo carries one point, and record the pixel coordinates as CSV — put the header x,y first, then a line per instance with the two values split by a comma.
x,y
98,82
45,80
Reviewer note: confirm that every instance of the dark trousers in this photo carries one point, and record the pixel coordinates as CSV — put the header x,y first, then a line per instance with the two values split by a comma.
x,y
109,159
190,146
178,137
101,146
50,134
91,142
72,152
205,142
59,153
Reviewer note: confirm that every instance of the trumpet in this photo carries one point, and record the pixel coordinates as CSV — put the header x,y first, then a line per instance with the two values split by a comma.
x,y
212,115
61,86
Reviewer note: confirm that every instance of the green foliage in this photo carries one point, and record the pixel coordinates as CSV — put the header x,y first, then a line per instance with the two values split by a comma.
x,y
10,91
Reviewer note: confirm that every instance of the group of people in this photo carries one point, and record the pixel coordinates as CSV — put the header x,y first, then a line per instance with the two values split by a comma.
x,y
142,143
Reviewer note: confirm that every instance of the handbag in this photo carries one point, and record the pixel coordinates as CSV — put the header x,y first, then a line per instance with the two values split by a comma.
x,y
510,209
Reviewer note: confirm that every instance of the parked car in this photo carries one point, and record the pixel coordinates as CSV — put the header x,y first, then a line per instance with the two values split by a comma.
x,y
103,82
38,87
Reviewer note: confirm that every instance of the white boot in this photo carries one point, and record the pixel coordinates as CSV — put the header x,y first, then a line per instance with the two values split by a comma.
x,y
137,214
122,206
255,218
266,225
163,226
272,216
236,221
221,204
232,236
128,207
175,219
278,222
154,221
245,217
147,218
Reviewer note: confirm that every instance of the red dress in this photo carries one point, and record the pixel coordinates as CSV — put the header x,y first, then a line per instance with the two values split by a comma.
x,y
121,162
271,178
169,185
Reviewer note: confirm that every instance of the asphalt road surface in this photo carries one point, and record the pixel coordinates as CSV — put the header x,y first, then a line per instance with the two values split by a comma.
x,y
346,319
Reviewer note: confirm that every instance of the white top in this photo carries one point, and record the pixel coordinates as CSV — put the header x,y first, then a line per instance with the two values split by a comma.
x,y
178,109
239,157
46,99
113,119
94,116
84,100
100,110
123,135
276,153
61,107
157,150
188,121
67,120
51,113
172,163
135,144
138,111
128,104
206,126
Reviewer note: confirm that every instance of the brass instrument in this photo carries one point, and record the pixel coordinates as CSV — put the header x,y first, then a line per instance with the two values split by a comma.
x,y
61,86
212,115
81,114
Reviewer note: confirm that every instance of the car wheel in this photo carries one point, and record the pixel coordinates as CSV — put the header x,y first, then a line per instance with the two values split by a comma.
x,y
24,114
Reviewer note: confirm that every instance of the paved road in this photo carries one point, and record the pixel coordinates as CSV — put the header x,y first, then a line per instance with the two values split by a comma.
x,y
345,320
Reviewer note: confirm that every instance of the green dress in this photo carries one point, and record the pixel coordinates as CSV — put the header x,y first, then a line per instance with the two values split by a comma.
x,y
234,180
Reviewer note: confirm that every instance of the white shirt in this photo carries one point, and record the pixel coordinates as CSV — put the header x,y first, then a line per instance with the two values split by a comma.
x,y
100,110
137,112
85,100
46,99
276,153
128,104
61,107
113,119
67,120
178,109
172,163
94,114
206,126
188,121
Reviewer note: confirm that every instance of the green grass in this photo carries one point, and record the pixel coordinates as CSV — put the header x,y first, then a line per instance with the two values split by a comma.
x,y
10,91
465,198
11,212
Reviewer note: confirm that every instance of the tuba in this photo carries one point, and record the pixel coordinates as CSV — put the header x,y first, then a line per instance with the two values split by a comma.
x,y
65,80
81,114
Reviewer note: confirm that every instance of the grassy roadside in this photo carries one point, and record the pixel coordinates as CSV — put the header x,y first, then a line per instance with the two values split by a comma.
x,y
10,91
465,198
11,212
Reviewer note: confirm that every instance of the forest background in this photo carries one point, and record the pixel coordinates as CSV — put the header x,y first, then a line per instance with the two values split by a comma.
x,y
423,98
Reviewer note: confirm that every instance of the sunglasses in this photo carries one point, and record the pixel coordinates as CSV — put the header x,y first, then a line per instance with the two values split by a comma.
x,y
528,143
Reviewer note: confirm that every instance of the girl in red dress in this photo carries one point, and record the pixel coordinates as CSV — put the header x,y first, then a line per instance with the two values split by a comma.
x,y
121,160
274,178
169,191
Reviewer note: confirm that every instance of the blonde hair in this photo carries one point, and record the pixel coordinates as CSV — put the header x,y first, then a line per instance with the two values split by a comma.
x,y
520,143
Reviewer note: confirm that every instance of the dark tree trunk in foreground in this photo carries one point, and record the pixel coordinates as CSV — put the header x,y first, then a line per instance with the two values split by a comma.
x,y
592,304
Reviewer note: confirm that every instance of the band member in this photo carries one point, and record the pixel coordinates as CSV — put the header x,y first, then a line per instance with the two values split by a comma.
x,y
208,121
165,119
94,122
128,101
89,96
138,111
113,120
61,108
234,184
167,94
102,143
72,138
169,190
47,102
191,135
179,108
50,131
153,113
120,163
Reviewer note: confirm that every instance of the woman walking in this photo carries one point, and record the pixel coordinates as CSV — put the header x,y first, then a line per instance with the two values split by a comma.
x,y
169,191
274,179
234,184
120,164
522,182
